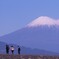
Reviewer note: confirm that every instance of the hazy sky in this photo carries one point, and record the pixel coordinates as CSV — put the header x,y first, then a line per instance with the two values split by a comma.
x,y
15,14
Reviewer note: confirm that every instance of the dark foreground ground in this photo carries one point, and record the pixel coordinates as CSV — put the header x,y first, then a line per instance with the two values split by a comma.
x,y
27,57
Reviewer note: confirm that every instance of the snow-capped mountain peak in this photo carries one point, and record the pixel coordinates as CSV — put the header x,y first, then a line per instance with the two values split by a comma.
x,y
44,20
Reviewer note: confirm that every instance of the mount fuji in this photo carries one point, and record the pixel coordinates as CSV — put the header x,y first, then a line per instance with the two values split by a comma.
x,y
42,33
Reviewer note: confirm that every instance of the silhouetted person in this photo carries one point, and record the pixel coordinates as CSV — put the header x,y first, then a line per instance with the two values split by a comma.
x,y
7,49
19,50
12,49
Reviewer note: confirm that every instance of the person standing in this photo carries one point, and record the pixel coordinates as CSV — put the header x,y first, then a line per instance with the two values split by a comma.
x,y
12,49
7,49
19,50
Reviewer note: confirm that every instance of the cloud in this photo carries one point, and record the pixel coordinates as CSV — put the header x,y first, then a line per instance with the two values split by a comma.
x,y
44,20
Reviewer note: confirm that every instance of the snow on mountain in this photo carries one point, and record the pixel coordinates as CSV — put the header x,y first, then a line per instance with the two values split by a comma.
x,y
44,20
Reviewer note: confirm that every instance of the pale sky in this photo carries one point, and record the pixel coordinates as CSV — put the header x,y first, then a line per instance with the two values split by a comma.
x,y
15,14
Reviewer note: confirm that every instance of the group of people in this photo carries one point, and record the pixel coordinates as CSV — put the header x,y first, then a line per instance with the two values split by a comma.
x,y
11,48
